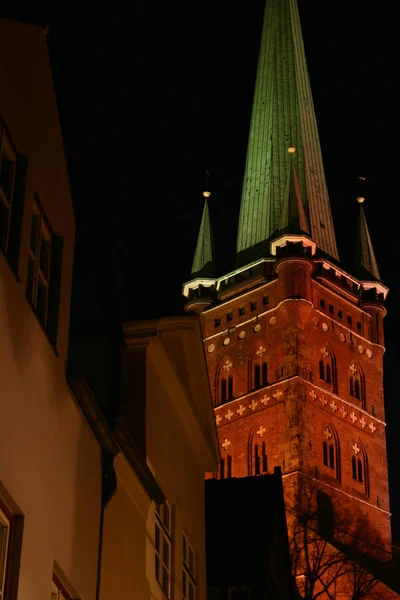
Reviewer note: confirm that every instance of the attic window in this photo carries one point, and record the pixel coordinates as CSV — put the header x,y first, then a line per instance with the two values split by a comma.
x,y
265,300
217,322
241,311
322,303
229,317
253,305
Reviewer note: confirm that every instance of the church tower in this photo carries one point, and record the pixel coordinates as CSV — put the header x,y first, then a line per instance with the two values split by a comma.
x,y
294,343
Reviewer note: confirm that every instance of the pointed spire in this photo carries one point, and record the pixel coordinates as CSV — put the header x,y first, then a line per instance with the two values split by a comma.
x,y
203,262
366,264
282,109
293,217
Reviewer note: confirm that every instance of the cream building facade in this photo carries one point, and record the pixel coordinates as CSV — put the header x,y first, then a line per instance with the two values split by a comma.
x,y
50,462
154,526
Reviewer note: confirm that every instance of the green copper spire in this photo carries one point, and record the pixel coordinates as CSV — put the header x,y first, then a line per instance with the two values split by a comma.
x,y
366,264
283,116
203,263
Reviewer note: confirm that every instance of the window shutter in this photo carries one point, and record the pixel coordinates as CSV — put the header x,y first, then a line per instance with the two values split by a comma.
x,y
17,213
54,288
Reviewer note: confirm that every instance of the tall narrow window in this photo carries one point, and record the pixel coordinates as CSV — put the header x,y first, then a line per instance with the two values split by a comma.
x,y
58,591
5,547
163,543
225,467
225,381
259,367
355,382
326,366
229,466
223,390
259,459
44,272
189,584
7,174
358,465
330,450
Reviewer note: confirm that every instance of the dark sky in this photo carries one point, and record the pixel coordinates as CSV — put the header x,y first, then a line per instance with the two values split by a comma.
x,y
153,94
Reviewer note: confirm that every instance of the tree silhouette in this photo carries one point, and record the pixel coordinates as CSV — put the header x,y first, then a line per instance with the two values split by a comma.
x,y
334,557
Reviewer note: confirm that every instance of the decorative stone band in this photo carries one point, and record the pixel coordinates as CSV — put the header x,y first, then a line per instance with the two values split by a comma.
x,y
344,409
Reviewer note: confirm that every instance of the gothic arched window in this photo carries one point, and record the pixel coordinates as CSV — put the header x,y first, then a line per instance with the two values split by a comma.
x,y
359,467
224,391
330,451
258,457
259,368
326,367
356,388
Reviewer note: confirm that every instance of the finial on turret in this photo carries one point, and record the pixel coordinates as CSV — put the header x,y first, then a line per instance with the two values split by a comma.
x,y
360,199
291,149
206,193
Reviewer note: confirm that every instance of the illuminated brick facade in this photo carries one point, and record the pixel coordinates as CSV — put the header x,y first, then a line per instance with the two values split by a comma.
x,y
296,381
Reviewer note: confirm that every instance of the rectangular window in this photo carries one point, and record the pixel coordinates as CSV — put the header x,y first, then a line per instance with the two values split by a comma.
x,y
44,272
322,303
217,322
253,305
349,320
229,317
339,314
58,591
331,309
163,543
241,311
358,325
8,161
5,547
265,300
189,584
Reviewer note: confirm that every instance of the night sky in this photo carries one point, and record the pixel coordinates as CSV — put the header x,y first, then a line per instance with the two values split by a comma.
x,y
153,95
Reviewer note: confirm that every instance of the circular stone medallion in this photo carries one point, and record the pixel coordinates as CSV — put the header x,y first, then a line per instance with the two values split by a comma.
x,y
226,341
257,327
360,349
272,321
325,326
342,337
315,321
242,334
369,353
211,348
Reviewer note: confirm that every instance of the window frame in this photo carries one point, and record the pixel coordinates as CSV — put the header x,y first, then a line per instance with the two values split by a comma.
x,y
43,232
6,548
5,202
164,526
189,582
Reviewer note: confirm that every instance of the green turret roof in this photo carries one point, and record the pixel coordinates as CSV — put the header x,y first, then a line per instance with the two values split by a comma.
x,y
283,115
203,263
366,265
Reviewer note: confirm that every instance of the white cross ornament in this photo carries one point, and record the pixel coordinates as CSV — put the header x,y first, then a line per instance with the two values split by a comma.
x,y
226,444
261,350
229,415
218,419
241,410
353,368
363,422
324,352
277,394
356,448
260,431
327,433
333,406
353,417
344,411
265,399
253,404
372,427
227,365
313,394
324,401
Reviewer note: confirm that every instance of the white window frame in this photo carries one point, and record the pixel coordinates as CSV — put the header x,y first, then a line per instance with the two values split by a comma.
x,y
39,275
58,591
163,548
6,147
189,583
5,538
